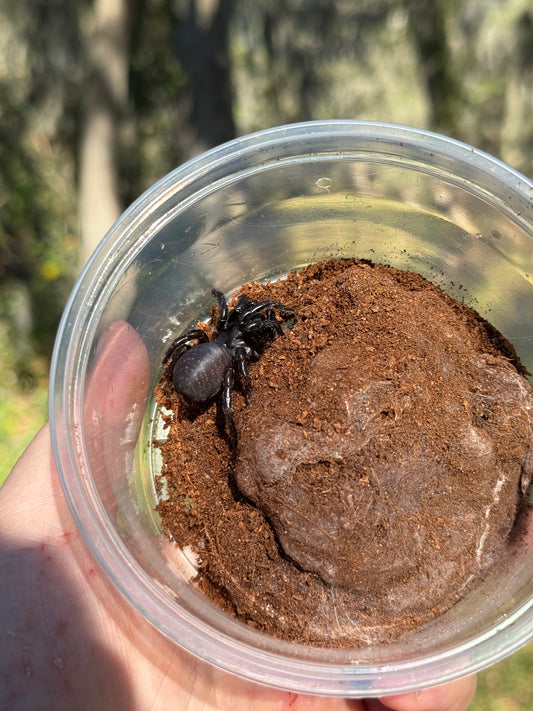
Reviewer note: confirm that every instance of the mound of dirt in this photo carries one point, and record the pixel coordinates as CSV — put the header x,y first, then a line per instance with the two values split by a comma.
x,y
381,463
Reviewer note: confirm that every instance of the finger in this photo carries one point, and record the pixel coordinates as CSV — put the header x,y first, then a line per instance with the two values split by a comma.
x,y
32,494
229,693
114,407
115,402
454,696
118,381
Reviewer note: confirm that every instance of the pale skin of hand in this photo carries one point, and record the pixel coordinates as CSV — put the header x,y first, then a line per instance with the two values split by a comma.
x,y
69,641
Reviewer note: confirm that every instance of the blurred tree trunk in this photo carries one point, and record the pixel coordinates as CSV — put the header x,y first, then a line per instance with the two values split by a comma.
x,y
517,128
104,104
202,46
427,21
292,35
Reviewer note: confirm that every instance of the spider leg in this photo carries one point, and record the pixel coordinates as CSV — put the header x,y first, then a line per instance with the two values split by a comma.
x,y
241,367
235,316
222,309
272,322
286,312
242,304
226,403
179,345
264,328
195,334
257,306
255,320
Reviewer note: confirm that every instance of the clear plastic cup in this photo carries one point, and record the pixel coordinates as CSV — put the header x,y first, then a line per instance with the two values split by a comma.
x,y
254,209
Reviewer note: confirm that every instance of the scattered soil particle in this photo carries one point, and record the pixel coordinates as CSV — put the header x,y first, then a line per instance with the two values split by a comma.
x,y
381,464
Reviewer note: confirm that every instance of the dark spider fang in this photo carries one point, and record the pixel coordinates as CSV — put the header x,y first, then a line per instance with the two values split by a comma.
x,y
202,370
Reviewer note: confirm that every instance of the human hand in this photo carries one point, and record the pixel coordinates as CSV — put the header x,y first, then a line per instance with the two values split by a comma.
x,y
69,640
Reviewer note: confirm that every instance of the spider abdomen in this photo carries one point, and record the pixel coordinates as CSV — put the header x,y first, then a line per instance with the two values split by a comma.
x,y
199,372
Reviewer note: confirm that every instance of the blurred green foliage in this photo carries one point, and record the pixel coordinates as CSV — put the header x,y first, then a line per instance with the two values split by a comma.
x,y
507,686
23,402
193,74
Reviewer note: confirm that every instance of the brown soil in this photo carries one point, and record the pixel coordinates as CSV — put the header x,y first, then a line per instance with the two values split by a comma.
x,y
381,464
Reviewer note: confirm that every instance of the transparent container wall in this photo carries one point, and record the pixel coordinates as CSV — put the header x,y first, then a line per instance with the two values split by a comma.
x,y
263,225
257,217
285,216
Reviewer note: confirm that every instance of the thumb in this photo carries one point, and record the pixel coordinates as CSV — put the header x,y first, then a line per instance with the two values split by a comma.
x,y
454,696
115,405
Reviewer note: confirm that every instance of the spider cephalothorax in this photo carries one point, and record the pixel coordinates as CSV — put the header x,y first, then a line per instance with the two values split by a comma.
x,y
202,370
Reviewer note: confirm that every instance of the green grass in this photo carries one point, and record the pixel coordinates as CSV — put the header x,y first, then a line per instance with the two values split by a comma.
x,y
23,405
507,686
21,416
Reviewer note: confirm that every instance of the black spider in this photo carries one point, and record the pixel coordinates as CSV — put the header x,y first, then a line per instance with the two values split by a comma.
x,y
202,370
